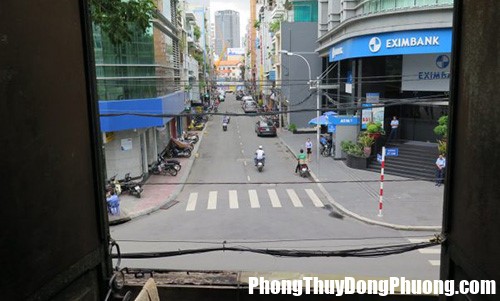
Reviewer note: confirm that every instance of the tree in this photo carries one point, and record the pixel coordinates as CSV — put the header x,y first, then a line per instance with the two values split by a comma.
x,y
197,32
118,18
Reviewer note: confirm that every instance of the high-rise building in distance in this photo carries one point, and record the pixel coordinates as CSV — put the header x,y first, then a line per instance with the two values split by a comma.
x,y
227,30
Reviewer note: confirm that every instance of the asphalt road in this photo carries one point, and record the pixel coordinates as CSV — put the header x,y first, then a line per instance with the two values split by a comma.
x,y
254,212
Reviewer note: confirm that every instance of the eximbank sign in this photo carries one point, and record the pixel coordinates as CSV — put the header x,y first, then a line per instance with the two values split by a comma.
x,y
393,43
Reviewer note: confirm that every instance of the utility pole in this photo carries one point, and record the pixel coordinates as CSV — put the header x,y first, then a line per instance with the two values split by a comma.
x,y
253,62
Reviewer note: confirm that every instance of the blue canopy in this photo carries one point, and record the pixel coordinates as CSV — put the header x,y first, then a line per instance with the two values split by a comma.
x,y
323,120
330,113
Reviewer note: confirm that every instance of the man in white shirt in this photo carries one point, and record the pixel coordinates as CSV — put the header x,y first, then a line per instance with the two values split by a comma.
x,y
260,156
394,128
441,167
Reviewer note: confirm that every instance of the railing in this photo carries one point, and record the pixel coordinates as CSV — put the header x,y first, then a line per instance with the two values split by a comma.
x,y
376,6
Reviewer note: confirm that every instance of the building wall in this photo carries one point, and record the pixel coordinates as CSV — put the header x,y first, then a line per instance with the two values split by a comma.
x,y
120,161
227,29
299,37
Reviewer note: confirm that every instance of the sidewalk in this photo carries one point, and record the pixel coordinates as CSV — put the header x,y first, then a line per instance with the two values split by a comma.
x,y
407,205
158,191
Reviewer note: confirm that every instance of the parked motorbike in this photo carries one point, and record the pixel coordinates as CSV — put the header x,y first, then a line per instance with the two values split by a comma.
x,y
190,136
198,126
260,165
224,126
132,187
304,170
176,163
178,148
163,168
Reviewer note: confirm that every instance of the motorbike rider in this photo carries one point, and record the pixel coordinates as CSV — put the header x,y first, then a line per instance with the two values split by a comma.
x,y
301,160
260,156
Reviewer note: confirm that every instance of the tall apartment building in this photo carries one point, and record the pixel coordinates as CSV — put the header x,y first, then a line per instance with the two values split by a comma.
x,y
227,30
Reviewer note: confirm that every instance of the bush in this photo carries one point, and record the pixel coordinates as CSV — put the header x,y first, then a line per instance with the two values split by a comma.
x,y
292,127
351,148
373,128
442,128
365,140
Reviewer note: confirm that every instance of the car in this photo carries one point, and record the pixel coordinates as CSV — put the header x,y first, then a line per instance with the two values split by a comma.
x,y
249,106
265,128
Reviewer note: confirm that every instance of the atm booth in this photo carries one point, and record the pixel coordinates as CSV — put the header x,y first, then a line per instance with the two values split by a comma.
x,y
343,127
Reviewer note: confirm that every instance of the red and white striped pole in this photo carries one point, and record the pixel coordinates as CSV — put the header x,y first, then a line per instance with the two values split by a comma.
x,y
381,194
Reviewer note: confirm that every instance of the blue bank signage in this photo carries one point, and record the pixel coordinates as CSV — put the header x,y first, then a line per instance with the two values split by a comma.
x,y
393,43
392,152
343,120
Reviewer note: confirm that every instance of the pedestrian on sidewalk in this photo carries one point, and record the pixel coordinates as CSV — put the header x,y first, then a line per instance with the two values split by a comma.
x,y
394,128
309,146
440,169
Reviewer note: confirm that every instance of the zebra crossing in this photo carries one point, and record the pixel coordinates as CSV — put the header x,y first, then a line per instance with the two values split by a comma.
x,y
434,252
234,199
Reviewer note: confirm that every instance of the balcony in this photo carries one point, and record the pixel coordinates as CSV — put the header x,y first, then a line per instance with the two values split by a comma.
x,y
380,6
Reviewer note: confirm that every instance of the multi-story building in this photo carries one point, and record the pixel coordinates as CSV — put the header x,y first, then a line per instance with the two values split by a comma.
x,y
283,80
140,76
396,51
227,30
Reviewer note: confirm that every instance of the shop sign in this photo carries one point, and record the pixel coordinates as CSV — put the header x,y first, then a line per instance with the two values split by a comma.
x,y
393,43
426,72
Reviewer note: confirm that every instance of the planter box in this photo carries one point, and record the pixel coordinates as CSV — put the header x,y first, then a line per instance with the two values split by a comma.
x,y
356,162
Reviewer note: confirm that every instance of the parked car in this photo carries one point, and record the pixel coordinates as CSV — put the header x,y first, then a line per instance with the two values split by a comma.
x,y
265,128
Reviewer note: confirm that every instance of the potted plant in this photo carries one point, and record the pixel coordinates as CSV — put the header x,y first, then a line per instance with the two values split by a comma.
x,y
292,128
442,130
366,141
355,156
374,130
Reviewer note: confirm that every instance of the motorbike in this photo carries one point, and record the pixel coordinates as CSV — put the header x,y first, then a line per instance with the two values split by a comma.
x,y
260,165
177,148
163,168
176,163
132,187
198,126
304,170
190,137
224,126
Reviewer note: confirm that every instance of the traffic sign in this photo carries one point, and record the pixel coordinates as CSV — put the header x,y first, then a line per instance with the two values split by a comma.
x,y
392,152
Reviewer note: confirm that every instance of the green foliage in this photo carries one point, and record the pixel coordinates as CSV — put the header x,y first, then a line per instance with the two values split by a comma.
x,y
442,128
202,85
365,140
442,146
275,26
199,58
118,18
197,32
292,127
256,24
373,128
351,148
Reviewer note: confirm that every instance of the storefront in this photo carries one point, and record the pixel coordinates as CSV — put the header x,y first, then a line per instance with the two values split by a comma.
x,y
407,70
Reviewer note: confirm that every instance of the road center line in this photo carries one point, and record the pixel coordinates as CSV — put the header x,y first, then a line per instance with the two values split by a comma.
x,y
248,178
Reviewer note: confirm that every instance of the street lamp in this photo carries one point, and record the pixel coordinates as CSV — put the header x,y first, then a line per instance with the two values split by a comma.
x,y
317,99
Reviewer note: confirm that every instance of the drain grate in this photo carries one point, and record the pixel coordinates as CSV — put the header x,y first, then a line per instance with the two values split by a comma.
x,y
169,204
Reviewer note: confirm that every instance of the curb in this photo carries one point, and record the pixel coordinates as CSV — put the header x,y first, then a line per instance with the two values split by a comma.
x,y
354,215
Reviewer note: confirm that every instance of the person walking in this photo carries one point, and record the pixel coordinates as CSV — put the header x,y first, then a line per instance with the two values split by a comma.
x,y
440,169
394,128
309,146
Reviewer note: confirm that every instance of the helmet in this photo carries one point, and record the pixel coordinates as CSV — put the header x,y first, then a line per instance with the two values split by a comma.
x,y
260,146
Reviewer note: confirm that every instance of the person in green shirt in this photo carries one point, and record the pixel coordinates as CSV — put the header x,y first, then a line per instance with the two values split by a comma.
x,y
301,159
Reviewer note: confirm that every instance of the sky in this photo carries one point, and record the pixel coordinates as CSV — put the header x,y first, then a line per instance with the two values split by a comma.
x,y
241,6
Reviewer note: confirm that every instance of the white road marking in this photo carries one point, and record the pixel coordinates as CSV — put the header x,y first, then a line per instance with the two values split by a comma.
x,y
245,162
241,143
254,199
275,201
193,196
248,178
212,200
430,251
314,198
233,199
418,240
435,262
242,151
294,198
